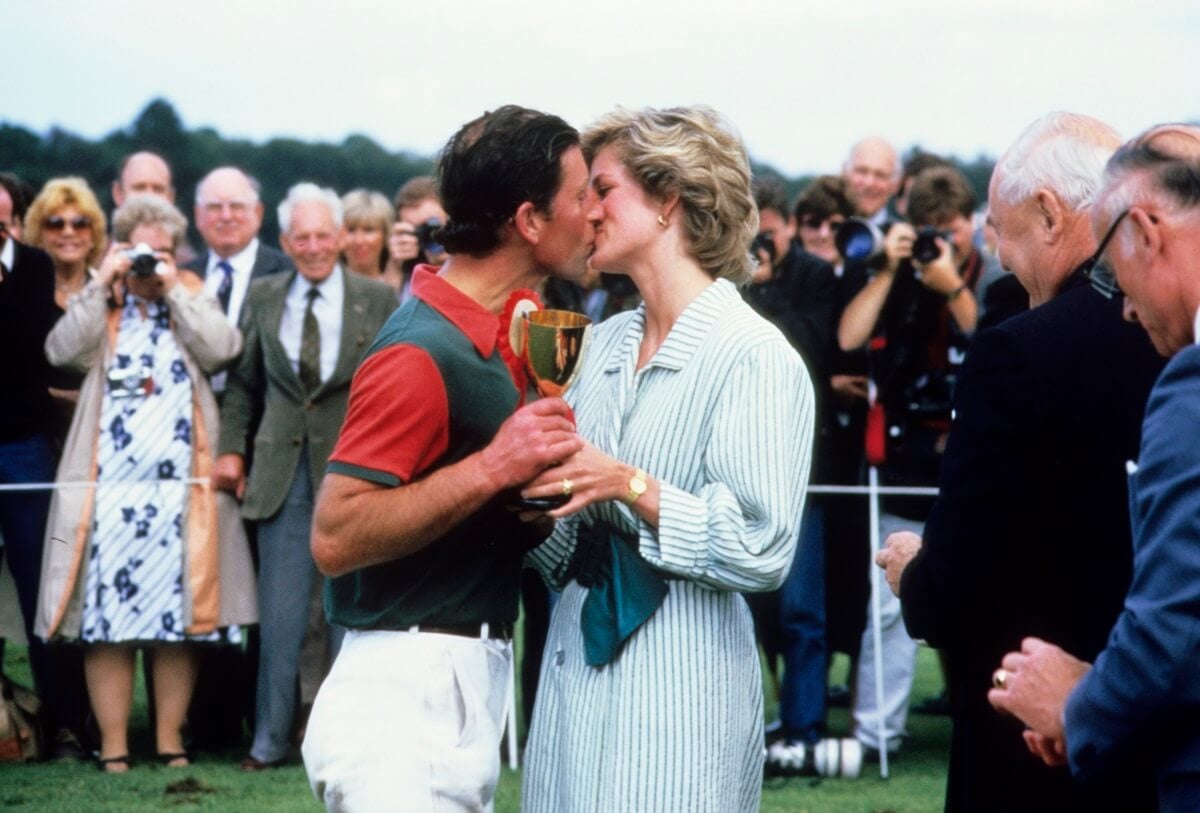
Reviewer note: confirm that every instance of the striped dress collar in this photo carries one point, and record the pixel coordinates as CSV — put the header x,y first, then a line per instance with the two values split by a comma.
x,y
686,334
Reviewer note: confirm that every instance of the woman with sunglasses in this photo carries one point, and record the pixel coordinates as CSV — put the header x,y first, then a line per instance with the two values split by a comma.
x,y
65,221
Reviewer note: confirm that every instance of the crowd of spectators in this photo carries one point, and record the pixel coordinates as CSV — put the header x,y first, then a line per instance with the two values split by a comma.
x,y
139,371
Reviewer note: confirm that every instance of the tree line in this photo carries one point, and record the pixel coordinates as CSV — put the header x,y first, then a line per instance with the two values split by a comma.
x,y
357,161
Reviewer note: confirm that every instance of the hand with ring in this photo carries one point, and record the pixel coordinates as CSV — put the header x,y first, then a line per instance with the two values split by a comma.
x,y
586,477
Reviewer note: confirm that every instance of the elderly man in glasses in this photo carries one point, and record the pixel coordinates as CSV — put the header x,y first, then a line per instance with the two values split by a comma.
x,y
1030,533
1141,699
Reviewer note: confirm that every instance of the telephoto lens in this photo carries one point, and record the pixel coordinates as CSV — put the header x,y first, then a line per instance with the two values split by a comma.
x,y
858,239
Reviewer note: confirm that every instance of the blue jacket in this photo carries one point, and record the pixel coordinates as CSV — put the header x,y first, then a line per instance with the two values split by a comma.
x,y
1142,698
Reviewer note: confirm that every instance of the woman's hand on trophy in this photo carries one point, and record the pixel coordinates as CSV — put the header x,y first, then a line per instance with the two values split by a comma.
x,y
586,477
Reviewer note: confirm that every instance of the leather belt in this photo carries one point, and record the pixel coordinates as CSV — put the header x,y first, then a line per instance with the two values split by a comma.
x,y
488,629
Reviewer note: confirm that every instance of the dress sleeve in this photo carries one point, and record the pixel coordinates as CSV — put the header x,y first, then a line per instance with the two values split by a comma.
x,y
199,323
739,532
75,339
1143,689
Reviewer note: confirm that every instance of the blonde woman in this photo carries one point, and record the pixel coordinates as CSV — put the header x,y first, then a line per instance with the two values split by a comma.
x,y
698,420
368,219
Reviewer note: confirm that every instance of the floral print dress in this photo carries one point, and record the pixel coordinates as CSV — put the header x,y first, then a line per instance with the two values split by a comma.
x,y
134,581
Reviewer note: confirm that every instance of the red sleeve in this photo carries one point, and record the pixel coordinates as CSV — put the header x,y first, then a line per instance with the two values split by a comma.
x,y
398,420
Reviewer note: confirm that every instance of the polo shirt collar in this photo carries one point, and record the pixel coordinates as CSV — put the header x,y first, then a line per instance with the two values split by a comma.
x,y
476,322
688,332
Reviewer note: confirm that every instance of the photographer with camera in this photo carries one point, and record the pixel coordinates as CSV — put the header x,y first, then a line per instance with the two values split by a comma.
x,y
914,315
411,240
145,561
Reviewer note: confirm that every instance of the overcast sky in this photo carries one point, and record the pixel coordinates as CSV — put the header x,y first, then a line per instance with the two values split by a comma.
x,y
801,80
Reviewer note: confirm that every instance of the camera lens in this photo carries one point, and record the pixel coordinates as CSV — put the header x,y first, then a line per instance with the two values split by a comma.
x,y
858,240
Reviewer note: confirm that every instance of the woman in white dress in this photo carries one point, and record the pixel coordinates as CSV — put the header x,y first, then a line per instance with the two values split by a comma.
x,y
138,560
698,418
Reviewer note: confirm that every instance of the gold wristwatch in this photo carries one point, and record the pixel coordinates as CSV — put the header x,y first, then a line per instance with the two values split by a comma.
x,y
637,486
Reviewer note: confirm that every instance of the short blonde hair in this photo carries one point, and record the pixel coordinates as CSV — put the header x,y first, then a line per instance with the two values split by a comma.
x,y
58,194
363,207
149,210
694,153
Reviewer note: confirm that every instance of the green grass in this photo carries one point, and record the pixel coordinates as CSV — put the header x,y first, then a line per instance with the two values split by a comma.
x,y
917,783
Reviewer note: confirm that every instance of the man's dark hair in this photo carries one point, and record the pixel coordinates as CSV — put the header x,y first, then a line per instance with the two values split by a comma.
x,y
917,162
494,164
822,199
938,194
20,192
770,193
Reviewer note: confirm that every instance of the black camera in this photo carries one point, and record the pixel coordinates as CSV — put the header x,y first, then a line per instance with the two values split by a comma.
x,y
764,242
925,248
425,237
143,261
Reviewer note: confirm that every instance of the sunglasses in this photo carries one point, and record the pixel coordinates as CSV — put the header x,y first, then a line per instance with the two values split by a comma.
x,y
58,223
1097,271
815,223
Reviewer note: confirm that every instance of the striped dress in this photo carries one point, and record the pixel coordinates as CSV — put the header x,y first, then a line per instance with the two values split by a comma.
x,y
722,417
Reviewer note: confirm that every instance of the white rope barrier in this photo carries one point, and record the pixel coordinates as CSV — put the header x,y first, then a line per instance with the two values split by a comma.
x,y
186,481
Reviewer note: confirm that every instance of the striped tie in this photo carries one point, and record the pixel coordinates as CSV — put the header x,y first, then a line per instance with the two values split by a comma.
x,y
310,347
225,290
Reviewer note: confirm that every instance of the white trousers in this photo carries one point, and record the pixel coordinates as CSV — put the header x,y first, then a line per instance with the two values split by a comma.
x,y
409,721
899,659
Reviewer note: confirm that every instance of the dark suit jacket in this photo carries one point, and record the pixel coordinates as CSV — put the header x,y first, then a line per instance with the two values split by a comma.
x,y
267,260
27,312
1030,535
263,382
1143,695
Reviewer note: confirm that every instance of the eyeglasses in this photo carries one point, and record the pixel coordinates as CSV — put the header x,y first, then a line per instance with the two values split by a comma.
x,y
1099,272
58,223
215,207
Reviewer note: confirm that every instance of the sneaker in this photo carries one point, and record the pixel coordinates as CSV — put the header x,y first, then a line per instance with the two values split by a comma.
x,y
789,758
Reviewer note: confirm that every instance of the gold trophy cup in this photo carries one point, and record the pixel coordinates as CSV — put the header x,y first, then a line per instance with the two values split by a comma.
x,y
552,344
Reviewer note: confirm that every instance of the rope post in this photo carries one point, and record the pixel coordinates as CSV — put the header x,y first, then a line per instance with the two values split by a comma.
x,y
876,613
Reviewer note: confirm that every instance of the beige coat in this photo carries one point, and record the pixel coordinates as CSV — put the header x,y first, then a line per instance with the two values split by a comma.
x,y
218,576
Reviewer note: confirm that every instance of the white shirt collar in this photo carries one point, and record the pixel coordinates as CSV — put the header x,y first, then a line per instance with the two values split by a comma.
x,y
331,288
1196,328
242,262
8,254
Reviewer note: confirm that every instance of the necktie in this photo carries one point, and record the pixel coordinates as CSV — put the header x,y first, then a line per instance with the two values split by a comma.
x,y
310,346
225,290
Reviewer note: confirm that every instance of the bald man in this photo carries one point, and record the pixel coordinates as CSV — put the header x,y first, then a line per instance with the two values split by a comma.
x,y
872,174
143,173
229,215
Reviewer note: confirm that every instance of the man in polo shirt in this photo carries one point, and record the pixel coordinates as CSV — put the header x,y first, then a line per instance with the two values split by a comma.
x,y
411,525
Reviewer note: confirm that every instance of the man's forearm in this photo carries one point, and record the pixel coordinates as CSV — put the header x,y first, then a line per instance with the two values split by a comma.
x,y
358,524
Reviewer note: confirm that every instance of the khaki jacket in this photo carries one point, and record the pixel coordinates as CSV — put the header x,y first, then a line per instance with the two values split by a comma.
x,y
263,390
218,575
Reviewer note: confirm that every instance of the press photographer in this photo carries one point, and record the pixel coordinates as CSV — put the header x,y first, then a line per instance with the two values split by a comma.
x,y
914,315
